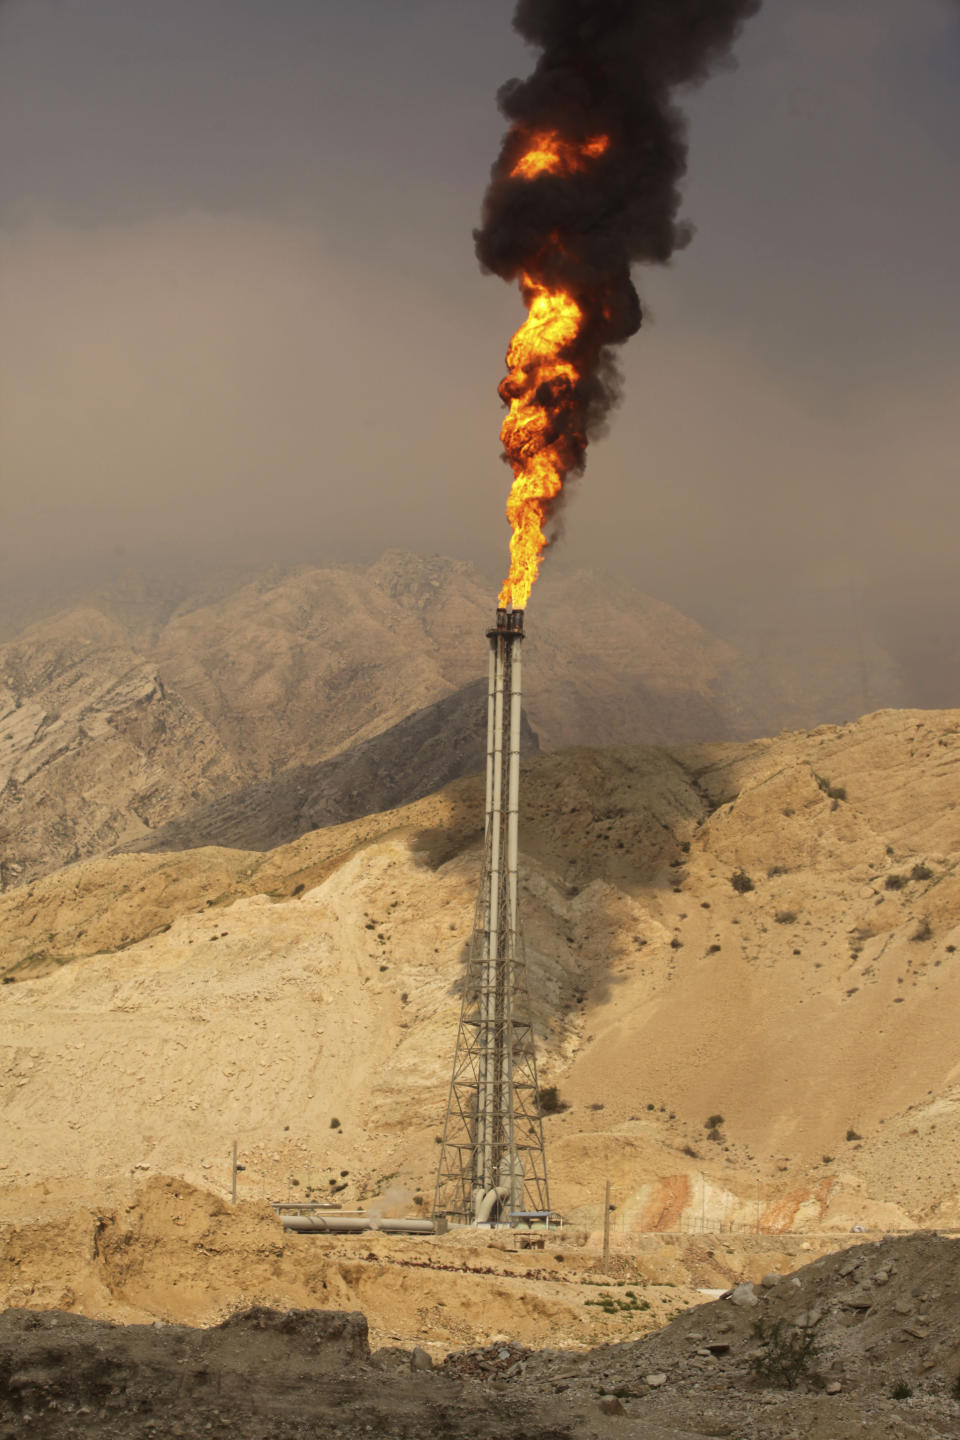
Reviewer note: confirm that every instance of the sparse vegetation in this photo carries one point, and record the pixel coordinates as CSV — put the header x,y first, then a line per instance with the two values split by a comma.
x,y
895,882
832,792
741,882
713,1122
550,1102
923,930
611,1304
901,1391
852,1135
921,872
785,1354
334,1123
786,917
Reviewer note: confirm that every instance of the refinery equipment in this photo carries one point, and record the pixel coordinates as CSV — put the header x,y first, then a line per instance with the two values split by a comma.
x,y
492,1164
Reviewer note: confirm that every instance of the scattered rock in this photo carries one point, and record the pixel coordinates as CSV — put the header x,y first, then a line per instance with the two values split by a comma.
x,y
610,1405
744,1295
420,1360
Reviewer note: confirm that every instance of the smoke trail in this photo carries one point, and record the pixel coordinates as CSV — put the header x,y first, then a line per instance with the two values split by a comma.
x,y
588,182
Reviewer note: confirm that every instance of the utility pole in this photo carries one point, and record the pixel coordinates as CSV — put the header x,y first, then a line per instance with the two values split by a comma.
x,y
606,1227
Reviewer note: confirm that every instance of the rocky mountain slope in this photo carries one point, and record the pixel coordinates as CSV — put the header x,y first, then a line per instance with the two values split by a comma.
x,y
418,755
132,713
761,935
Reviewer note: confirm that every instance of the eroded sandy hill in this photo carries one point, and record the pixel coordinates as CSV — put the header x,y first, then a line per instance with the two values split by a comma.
x,y
265,996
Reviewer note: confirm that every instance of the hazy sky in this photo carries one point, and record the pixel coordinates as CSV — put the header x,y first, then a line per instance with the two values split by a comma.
x,y
240,315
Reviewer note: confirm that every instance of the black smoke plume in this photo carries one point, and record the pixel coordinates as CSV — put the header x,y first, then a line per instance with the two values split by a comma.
x,y
612,68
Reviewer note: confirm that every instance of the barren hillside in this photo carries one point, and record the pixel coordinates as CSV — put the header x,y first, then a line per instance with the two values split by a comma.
x,y
764,932
131,714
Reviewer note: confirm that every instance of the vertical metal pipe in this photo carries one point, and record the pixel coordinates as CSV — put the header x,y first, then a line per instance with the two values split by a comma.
x,y
511,922
513,779
489,1087
485,1001
491,702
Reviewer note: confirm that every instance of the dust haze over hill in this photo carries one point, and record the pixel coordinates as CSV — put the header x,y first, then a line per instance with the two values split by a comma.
x,y
140,705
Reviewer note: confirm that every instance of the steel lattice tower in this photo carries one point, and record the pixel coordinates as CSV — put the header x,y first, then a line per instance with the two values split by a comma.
x,y
492,1164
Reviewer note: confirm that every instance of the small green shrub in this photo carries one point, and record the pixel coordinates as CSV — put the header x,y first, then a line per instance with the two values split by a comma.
x,y
895,882
334,1123
901,1391
923,930
713,1122
852,1135
921,872
741,882
786,917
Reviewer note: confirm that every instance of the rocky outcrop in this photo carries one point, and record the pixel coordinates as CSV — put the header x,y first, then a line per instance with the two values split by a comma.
x,y
93,750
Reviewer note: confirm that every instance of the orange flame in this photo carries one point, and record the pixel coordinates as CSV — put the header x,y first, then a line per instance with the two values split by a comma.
x,y
540,384
550,154
538,459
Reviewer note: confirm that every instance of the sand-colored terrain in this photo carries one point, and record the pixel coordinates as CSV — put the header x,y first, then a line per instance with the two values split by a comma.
x,y
195,998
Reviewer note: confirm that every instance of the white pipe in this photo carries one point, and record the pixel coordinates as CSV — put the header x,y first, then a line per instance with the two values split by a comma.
x,y
513,780
491,703
354,1224
487,1108
493,1197
480,1138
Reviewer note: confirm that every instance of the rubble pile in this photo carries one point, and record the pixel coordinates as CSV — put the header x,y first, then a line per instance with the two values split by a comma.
x,y
883,1319
499,1361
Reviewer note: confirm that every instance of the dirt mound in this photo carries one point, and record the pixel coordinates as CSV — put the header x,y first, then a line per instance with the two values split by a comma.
x,y
884,1356
263,1376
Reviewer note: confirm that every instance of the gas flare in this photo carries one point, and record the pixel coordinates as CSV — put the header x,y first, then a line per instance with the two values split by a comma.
x,y
539,390
587,184
550,154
